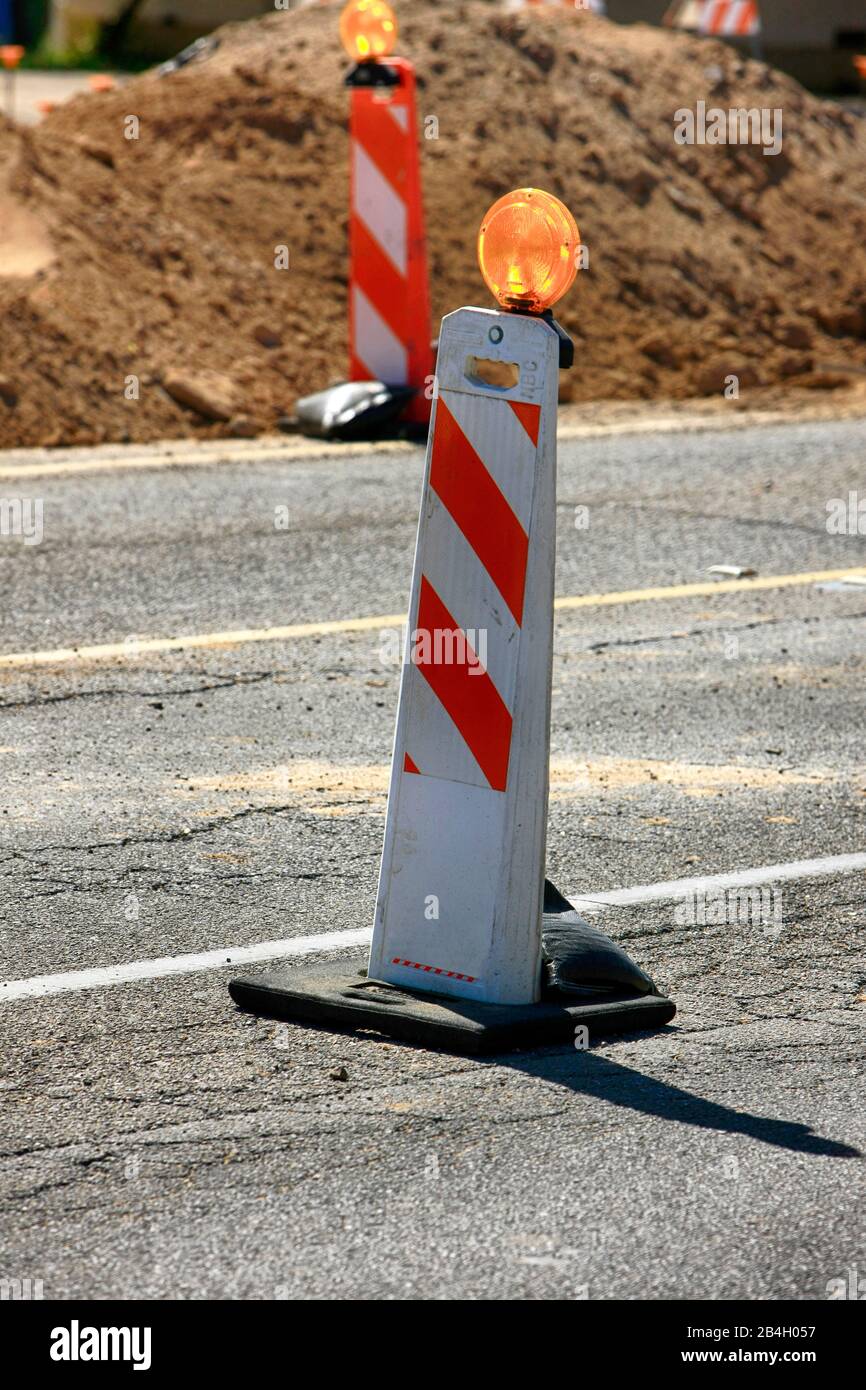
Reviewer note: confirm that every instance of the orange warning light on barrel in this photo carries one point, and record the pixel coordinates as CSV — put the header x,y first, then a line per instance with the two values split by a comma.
x,y
368,29
527,250
11,55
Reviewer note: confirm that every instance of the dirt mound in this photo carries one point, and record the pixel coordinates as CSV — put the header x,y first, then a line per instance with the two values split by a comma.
x,y
151,306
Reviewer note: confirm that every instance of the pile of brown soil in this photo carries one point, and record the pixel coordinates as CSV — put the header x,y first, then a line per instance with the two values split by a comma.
x,y
153,258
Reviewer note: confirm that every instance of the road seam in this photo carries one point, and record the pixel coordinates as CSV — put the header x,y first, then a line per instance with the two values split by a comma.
x,y
294,449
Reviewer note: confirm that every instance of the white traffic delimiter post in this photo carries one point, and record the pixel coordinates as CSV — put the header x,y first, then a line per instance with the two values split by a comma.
x,y
461,880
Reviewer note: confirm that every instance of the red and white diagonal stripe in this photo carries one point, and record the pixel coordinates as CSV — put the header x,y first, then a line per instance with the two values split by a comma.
x,y
730,18
473,575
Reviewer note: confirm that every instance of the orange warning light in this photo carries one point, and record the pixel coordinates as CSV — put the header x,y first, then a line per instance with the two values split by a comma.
x,y
368,29
11,54
860,64
527,249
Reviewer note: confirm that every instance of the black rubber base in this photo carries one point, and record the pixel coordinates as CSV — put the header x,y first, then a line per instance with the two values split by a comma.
x,y
354,410
340,996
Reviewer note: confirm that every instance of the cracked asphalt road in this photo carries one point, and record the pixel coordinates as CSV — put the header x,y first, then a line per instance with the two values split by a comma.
x,y
156,1143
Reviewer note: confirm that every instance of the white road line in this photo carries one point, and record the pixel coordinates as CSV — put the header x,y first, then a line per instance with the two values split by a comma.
x,y
746,878
37,986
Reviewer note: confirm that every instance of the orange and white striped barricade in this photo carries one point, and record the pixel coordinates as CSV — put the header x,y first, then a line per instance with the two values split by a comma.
x,y
390,349
11,55
731,19
389,300
472,949
467,809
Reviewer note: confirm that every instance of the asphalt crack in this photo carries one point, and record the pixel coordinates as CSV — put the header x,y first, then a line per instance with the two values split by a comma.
x,y
37,702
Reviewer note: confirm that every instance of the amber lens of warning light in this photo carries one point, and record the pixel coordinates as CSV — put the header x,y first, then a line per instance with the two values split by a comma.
x,y
11,55
527,249
368,29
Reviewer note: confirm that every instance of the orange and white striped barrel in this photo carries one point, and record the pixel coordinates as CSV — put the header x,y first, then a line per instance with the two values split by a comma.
x,y
389,302
730,18
461,882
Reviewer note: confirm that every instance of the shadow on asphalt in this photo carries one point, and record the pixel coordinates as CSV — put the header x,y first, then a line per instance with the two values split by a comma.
x,y
588,1075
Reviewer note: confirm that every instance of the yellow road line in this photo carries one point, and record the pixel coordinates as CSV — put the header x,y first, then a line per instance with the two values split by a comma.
x,y
705,587
134,647
138,646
